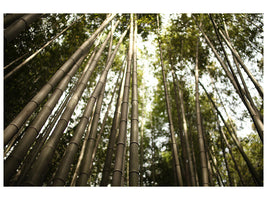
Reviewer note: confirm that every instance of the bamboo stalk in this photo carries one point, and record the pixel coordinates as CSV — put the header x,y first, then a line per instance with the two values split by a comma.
x,y
19,25
113,134
134,154
252,170
251,108
78,166
119,157
203,159
47,152
38,51
13,161
19,120
11,18
173,140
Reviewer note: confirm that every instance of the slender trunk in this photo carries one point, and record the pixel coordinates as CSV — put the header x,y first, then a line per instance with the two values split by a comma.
x,y
37,52
184,164
251,108
92,143
255,82
27,163
11,18
15,125
256,119
113,134
221,103
73,146
87,158
117,173
247,93
15,158
51,124
205,180
173,140
19,58
78,166
225,139
252,170
213,160
105,119
123,180
47,152
229,173
188,150
19,25
134,157
194,165
231,153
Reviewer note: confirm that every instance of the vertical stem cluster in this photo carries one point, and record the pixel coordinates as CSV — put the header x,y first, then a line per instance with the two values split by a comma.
x,y
121,141
205,174
134,160
19,120
173,140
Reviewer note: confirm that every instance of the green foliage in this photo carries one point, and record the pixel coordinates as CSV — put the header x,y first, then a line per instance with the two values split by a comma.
x,y
179,43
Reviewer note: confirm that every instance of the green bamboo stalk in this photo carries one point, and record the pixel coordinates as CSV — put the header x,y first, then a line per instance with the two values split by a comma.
x,y
47,152
119,157
84,172
113,133
173,140
19,25
18,154
134,154
38,51
15,125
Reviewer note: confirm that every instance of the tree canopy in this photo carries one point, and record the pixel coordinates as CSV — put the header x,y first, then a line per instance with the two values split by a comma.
x,y
131,79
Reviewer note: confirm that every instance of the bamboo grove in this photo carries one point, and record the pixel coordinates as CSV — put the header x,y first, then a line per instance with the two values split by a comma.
x,y
80,110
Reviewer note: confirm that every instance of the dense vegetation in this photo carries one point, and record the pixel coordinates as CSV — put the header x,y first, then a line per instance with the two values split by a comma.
x,y
197,122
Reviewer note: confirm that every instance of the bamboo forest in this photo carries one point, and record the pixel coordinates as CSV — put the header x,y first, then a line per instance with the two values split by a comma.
x,y
132,99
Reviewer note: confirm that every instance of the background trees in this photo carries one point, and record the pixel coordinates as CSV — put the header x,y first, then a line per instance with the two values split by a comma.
x,y
229,102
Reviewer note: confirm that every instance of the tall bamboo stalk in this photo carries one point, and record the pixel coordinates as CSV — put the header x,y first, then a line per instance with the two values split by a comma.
x,y
205,180
17,59
85,171
15,125
225,139
113,133
251,108
184,164
256,118
11,18
47,152
255,82
19,25
104,121
119,157
252,170
188,150
214,162
78,166
71,150
29,139
229,173
230,151
38,51
17,155
173,140
134,154
85,166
